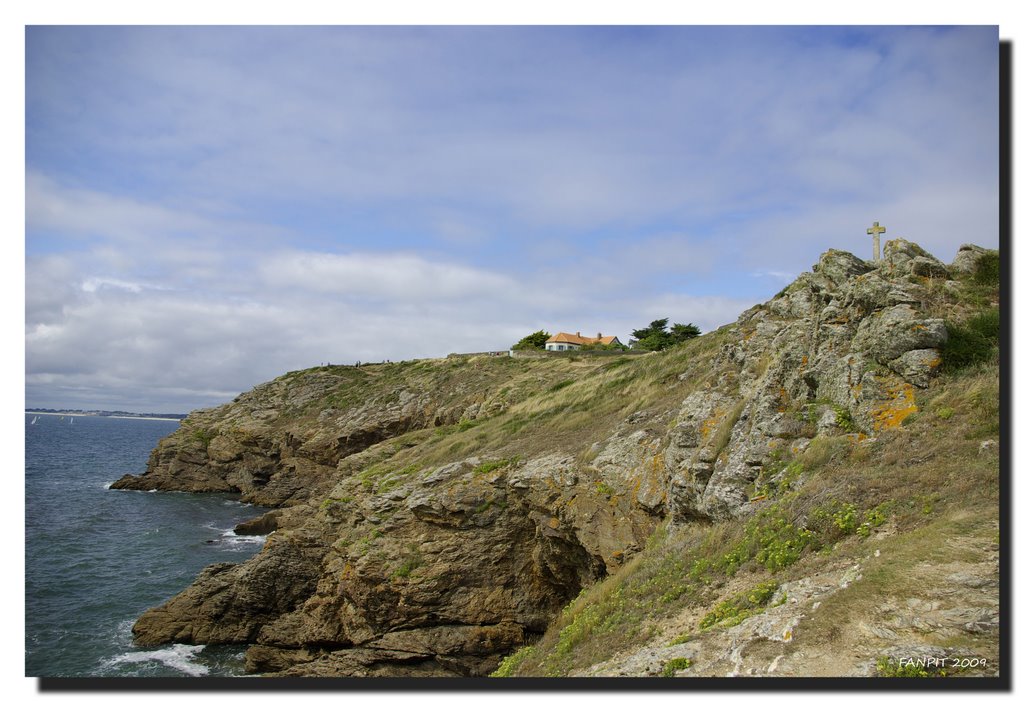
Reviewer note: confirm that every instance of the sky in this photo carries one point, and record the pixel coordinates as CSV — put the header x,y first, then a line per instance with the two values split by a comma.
x,y
207,208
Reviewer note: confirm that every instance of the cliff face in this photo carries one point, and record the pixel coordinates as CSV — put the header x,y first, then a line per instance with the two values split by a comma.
x,y
434,516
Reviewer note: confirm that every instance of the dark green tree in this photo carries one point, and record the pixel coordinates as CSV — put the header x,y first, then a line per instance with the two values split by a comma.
x,y
683,332
655,337
532,341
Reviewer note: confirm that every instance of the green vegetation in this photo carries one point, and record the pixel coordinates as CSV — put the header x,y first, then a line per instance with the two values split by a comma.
x,y
734,610
534,341
204,436
891,668
510,663
776,479
408,566
844,420
674,665
987,272
971,343
771,539
498,464
463,425
329,502
384,477
655,336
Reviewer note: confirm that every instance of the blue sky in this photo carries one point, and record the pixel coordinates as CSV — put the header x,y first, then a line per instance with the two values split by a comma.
x,y
207,208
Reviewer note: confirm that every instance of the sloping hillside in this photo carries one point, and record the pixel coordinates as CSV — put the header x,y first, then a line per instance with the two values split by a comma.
x,y
808,491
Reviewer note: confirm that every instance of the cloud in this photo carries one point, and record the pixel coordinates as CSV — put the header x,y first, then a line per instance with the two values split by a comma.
x,y
127,339
375,276
91,285
573,137
208,207
51,207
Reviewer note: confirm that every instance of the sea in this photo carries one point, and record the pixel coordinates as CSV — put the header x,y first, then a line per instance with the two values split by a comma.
x,y
96,559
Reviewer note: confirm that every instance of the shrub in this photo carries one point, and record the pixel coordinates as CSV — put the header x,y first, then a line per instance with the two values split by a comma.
x,y
888,668
511,662
844,420
498,464
204,436
971,343
987,272
676,664
772,540
777,478
739,607
845,518
407,567
656,337
535,340
987,324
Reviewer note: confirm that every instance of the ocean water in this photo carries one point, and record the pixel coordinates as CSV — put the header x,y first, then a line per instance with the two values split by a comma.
x,y
95,559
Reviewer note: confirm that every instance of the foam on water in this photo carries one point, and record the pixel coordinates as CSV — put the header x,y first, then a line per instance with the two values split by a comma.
x,y
237,503
180,657
234,542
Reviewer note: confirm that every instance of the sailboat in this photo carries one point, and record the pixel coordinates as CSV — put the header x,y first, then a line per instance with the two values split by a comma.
x,y
35,419
72,421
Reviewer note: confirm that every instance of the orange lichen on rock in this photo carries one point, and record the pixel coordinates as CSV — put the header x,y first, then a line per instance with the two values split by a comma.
x,y
708,425
899,405
783,400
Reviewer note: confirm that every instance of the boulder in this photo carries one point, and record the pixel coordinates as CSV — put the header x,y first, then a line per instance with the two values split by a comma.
x,y
965,263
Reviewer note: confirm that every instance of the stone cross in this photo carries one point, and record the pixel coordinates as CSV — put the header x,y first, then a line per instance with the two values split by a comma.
x,y
876,230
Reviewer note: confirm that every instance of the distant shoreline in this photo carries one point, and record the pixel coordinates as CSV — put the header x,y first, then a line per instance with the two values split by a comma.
x,y
105,416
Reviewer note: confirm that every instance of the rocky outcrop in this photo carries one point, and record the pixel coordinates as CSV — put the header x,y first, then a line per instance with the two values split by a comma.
x,y
849,338
374,568
967,259
281,442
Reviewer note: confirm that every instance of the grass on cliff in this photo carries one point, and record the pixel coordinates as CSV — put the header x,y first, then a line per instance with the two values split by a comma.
x,y
934,478
555,405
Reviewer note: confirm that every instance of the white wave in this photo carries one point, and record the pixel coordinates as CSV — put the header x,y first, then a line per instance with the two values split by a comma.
x,y
234,542
124,627
179,657
106,486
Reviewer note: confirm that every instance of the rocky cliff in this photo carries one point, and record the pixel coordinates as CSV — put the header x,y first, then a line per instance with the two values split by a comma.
x,y
432,517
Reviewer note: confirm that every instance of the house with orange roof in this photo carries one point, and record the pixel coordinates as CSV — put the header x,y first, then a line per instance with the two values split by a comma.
x,y
572,342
